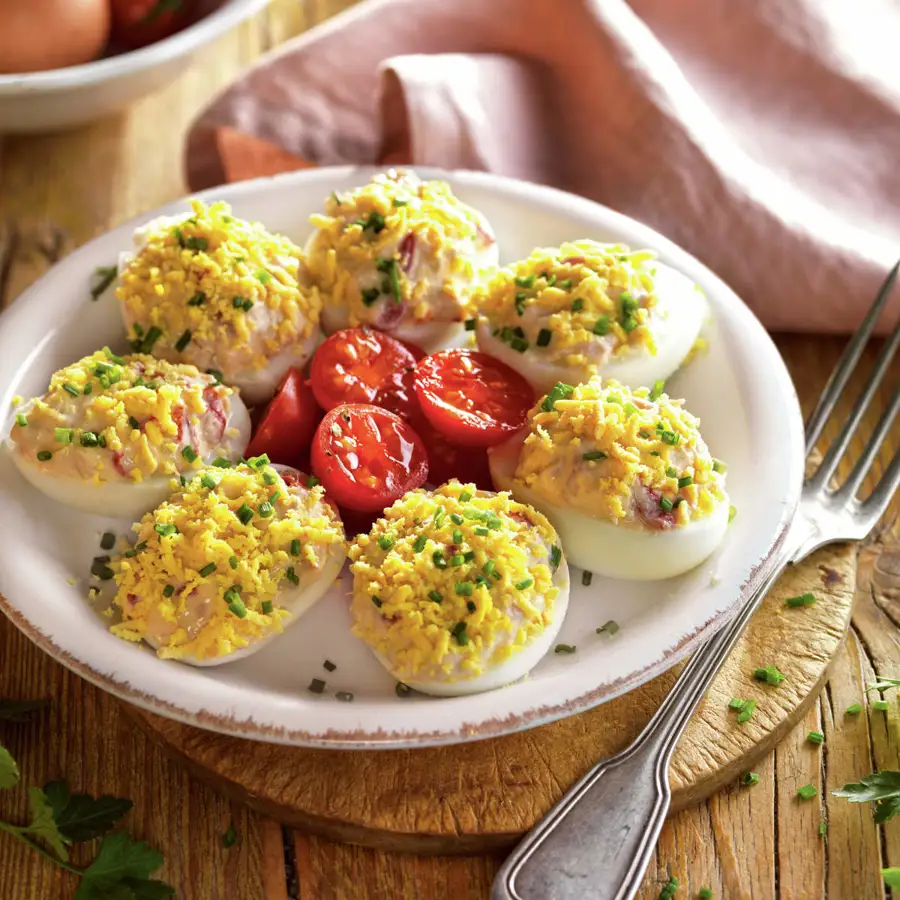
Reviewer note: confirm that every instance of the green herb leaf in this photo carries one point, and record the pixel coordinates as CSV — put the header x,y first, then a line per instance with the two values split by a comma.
x,y
20,710
9,771
884,685
43,824
121,861
880,788
891,877
230,837
103,278
81,817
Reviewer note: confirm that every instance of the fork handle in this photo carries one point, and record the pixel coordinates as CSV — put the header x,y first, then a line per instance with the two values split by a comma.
x,y
597,841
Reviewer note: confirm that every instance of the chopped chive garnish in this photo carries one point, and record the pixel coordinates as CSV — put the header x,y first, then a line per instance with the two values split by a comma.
x,y
457,536
686,481
183,341
481,531
164,530
88,439
489,567
103,278
263,276
376,600
593,455
295,547
389,267
237,302
265,509
133,422
207,570
402,690
168,590
879,705
629,323
107,540
463,589
291,575
312,481
853,710
196,243
471,606
344,696
149,339
521,297
63,435
736,703
524,584
769,674
610,627
459,632
807,792
519,345
457,559
558,392
815,737
544,337
456,518
233,562
465,497
578,304
801,600
198,299
189,453
419,545
586,578
823,829
100,569
671,472
221,463
719,466
670,889
704,893
21,420
370,295
670,437
44,455
385,542
245,514
732,512
525,281
555,556
601,326
749,779
266,607
746,712
470,324
469,555
439,561
316,686
435,596
665,504
269,477
564,648
71,389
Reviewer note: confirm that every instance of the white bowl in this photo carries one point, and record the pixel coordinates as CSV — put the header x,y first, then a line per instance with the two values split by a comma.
x,y
61,98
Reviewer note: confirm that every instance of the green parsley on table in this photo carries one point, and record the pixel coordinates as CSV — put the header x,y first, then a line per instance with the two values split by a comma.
x,y
880,788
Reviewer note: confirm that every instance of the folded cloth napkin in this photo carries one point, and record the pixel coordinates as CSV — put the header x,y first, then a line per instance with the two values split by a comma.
x,y
761,135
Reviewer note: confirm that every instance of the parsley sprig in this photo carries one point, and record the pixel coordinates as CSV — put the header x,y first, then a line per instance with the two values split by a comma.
x,y
58,818
880,788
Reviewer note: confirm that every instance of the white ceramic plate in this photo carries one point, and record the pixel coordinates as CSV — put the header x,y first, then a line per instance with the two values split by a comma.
x,y
739,388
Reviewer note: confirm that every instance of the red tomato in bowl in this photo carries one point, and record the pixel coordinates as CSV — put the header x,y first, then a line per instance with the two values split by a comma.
x,y
361,365
288,423
367,457
136,23
471,398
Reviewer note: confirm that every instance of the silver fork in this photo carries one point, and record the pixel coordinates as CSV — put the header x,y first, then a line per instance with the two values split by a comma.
x,y
595,844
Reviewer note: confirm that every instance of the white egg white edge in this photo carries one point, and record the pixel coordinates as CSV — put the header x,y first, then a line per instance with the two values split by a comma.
x,y
675,324
617,551
128,499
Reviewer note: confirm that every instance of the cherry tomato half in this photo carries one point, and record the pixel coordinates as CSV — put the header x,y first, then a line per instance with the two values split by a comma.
x,y
359,365
136,23
472,398
288,424
367,457
447,461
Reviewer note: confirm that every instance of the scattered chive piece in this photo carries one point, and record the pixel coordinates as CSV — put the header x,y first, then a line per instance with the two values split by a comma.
x,y
669,890
463,589
237,608
196,243
233,562
316,686
807,792
526,281
488,567
133,422
370,295
457,536
107,540
100,569
732,512
63,435
208,481
671,472
746,713
669,437
270,477
470,324
328,665
719,466
465,497
657,390
610,627
89,439
736,703
544,337
149,339
265,509
229,839
419,545
521,297
312,481
457,559
295,547
558,392
879,705
470,606
189,453
168,590
377,601
103,278
459,632
564,648
435,596
245,514
221,463
263,276
802,600
291,575
853,710
593,455
555,556
71,389
165,530
183,341
601,326
586,578
21,420
748,779
402,690
456,518
519,345
385,542
524,584
207,570
266,607
823,829
439,561
769,674
578,304
665,504
687,481
704,894
44,455
198,299
344,696
815,737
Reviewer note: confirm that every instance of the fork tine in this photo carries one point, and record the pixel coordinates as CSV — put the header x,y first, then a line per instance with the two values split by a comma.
x,y
881,497
842,441
861,469
847,363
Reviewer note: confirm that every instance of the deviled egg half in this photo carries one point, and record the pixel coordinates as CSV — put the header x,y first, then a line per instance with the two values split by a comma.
x,y
459,590
112,431
624,476
223,294
585,308
400,255
227,562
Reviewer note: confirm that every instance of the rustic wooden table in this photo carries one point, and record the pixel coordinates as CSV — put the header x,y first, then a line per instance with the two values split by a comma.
x,y
56,192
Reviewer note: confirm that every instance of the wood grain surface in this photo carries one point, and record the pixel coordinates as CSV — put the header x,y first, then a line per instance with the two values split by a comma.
x,y
58,191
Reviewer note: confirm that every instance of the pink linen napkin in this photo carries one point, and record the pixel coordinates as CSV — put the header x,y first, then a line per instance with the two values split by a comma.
x,y
761,135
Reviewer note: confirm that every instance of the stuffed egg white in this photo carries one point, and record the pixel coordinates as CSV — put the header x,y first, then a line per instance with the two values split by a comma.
x,y
459,590
402,256
585,308
111,432
624,476
223,294
226,563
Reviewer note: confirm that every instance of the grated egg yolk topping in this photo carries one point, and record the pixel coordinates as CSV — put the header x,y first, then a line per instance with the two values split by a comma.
x,y
453,581
561,301
210,567
387,222
620,454
216,279
111,417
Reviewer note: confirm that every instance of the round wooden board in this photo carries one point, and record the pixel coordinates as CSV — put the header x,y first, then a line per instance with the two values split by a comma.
x,y
483,795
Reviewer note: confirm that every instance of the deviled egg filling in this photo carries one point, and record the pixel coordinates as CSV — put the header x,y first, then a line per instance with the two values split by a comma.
x,y
112,431
401,255
571,312
227,562
221,293
458,590
624,475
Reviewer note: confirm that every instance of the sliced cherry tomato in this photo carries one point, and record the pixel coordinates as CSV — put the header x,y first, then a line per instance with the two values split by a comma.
x,y
472,398
447,461
367,457
360,365
288,424
136,23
